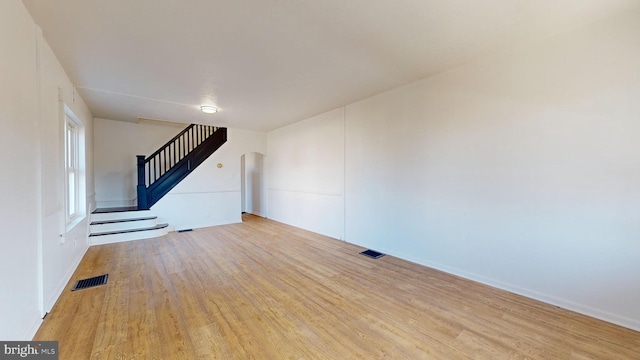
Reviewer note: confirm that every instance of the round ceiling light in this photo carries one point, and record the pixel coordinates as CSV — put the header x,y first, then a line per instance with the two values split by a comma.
x,y
208,109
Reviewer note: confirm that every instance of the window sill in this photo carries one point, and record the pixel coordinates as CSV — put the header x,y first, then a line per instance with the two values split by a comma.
x,y
73,223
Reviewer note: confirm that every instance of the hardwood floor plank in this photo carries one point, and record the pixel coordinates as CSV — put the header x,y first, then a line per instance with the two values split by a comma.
x,y
265,290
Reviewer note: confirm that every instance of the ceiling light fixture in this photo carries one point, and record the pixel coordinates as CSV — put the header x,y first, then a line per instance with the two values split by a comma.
x,y
209,109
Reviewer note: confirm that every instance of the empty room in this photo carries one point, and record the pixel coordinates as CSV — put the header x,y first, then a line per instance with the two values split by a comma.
x,y
282,179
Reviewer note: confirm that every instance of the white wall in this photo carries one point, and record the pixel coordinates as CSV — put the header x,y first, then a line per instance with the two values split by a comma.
x,y
208,196
305,174
31,266
61,254
212,196
520,171
116,145
19,305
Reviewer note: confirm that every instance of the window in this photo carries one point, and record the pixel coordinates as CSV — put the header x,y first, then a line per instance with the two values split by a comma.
x,y
72,168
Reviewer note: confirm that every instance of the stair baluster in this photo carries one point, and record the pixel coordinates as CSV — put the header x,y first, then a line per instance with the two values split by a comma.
x,y
165,168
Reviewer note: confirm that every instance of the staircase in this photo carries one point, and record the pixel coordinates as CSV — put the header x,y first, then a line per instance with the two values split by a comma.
x,y
157,175
164,169
111,225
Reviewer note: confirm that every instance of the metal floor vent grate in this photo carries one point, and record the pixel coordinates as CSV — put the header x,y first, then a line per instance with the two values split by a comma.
x,y
90,282
372,254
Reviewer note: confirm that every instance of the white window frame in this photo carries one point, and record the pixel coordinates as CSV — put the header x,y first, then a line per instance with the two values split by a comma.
x,y
72,170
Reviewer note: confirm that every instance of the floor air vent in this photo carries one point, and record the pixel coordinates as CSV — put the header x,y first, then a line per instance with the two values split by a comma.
x,y
90,282
372,254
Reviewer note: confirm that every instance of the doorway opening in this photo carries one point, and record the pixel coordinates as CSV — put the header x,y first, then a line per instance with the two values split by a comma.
x,y
252,184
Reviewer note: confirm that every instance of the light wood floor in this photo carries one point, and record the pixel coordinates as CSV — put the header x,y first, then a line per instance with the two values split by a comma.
x,y
264,290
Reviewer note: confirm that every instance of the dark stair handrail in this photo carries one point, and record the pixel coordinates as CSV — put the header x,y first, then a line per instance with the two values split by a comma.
x,y
164,169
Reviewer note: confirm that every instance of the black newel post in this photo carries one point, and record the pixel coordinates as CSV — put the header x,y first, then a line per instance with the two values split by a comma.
x,y
142,187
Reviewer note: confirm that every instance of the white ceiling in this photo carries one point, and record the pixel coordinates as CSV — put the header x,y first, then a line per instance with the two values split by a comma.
x,y
268,63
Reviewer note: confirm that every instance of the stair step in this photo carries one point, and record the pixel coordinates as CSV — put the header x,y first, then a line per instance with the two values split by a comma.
x,y
122,224
115,209
119,215
122,220
159,226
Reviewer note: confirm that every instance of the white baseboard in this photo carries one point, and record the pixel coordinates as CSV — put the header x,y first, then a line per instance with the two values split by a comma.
x,y
31,331
535,295
50,302
91,202
560,302
256,214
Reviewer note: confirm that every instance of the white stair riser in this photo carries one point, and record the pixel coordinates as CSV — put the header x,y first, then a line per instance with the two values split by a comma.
x,y
121,215
138,235
126,225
